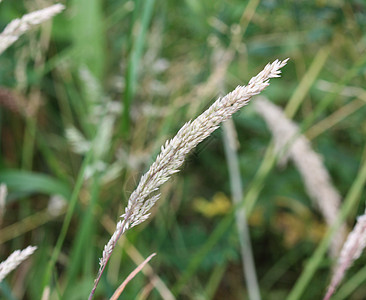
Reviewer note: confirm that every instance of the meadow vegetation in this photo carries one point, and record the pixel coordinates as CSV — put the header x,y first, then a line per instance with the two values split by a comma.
x,y
89,95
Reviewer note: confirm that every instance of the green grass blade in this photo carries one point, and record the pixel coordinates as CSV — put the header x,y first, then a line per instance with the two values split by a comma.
x,y
83,237
326,101
351,285
134,61
67,220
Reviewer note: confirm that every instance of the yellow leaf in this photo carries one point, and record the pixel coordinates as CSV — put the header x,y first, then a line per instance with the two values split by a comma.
x,y
220,205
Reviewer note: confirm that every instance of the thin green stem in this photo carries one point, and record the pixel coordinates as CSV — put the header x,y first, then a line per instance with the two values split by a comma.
x,y
67,220
351,285
133,63
83,236
28,146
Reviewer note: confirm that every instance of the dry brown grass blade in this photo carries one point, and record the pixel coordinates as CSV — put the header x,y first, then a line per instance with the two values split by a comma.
x,y
120,289
27,224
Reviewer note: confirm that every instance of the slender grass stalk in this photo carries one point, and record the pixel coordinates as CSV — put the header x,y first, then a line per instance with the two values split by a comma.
x,y
197,258
148,271
282,266
248,15
133,63
27,224
307,81
67,220
83,237
120,289
28,144
351,285
268,162
335,118
250,273
326,101
174,151
214,280
314,262
3,195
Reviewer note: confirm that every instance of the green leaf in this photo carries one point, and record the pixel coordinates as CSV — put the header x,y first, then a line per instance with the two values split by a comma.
x,y
31,183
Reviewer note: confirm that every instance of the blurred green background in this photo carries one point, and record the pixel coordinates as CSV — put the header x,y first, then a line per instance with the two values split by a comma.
x,y
124,76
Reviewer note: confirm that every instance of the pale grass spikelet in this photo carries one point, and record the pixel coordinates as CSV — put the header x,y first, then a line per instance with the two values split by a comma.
x,y
98,114
95,168
17,27
104,135
352,249
56,205
14,260
79,144
174,151
310,165
92,87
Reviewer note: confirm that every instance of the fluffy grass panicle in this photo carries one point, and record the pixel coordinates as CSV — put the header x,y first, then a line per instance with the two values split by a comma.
x,y
174,151
17,27
316,178
352,250
14,260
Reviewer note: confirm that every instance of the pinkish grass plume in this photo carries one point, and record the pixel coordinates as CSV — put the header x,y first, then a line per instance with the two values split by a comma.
x,y
310,165
352,249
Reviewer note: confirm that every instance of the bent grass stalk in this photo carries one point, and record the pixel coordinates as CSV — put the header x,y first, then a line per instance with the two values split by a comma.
x,y
174,151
